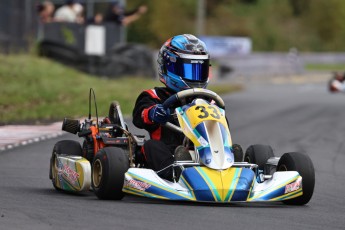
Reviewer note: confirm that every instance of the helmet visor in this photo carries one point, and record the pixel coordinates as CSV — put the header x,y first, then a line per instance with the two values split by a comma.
x,y
191,70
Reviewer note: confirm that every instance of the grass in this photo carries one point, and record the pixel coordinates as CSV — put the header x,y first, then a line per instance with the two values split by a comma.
x,y
38,90
325,67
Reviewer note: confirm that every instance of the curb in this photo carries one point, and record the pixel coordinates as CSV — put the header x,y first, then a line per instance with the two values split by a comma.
x,y
13,136
29,141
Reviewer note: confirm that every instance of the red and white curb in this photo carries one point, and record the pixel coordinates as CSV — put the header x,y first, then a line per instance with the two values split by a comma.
x,y
12,136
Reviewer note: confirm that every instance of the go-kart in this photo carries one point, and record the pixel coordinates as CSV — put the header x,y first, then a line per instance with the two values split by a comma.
x,y
337,83
208,167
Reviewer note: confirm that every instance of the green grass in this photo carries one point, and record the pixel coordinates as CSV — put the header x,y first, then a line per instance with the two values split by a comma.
x,y
325,67
36,90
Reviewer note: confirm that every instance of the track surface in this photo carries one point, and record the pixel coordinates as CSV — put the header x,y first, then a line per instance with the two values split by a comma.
x,y
290,118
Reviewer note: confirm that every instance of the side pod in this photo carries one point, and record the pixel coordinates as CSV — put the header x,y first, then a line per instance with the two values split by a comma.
x,y
71,173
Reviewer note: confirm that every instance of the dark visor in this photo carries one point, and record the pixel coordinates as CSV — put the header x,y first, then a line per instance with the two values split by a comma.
x,y
192,70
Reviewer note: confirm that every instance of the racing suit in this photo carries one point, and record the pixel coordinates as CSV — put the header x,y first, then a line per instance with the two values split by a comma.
x,y
158,151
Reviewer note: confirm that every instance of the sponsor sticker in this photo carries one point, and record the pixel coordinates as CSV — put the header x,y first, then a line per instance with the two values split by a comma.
x,y
202,141
142,186
293,186
69,173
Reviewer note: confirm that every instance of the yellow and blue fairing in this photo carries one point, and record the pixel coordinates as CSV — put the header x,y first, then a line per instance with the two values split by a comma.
x,y
195,184
206,126
200,183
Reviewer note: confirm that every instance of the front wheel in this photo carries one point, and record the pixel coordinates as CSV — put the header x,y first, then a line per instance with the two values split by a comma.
x,y
108,172
301,163
67,147
258,154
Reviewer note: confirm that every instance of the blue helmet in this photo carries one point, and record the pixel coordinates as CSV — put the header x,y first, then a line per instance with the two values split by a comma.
x,y
183,63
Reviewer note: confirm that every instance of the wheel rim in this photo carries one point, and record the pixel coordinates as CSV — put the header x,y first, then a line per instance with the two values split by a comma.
x,y
97,173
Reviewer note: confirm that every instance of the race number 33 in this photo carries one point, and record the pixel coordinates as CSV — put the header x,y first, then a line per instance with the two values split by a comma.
x,y
206,111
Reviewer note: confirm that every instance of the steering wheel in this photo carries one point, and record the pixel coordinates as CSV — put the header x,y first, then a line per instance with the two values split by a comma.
x,y
179,97
172,101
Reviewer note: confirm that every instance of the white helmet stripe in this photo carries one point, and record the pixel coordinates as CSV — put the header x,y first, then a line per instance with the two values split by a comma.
x,y
196,57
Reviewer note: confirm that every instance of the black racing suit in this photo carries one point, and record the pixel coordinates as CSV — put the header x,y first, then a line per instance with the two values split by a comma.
x,y
158,151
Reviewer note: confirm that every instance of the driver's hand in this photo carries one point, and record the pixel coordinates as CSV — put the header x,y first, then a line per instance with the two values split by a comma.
x,y
158,114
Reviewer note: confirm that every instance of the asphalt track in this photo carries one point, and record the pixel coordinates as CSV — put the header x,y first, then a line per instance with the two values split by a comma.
x,y
302,118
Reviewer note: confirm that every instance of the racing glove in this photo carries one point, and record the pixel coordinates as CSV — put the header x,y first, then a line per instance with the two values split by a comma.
x,y
158,114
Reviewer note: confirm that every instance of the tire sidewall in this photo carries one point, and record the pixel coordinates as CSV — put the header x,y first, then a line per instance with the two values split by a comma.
x,y
67,147
115,164
114,113
295,161
238,152
258,154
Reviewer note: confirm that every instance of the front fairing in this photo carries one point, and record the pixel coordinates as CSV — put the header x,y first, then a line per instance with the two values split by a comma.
x,y
201,183
205,125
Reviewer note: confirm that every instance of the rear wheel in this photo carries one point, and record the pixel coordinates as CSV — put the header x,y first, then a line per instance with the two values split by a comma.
x,y
88,152
114,113
258,154
67,147
114,117
108,172
301,163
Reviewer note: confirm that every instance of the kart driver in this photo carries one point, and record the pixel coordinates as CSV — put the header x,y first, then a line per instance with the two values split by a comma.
x,y
183,63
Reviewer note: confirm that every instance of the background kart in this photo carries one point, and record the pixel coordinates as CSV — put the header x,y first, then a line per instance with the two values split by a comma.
x,y
336,83
208,166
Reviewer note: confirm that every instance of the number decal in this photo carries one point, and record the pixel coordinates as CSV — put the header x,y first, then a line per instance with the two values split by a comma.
x,y
215,113
204,113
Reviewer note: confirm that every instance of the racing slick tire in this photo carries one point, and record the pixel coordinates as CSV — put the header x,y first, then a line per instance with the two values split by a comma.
x,y
108,171
114,117
238,152
114,113
295,161
258,154
68,147
88,152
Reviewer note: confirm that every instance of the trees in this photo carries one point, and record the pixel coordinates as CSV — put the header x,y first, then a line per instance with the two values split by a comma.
x,y
309,25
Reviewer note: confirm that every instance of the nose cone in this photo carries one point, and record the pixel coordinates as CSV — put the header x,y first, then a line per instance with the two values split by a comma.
x,y
232,184
219,157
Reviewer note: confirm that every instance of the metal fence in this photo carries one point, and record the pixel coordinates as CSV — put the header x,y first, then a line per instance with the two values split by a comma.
x,y
19,22
17,25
